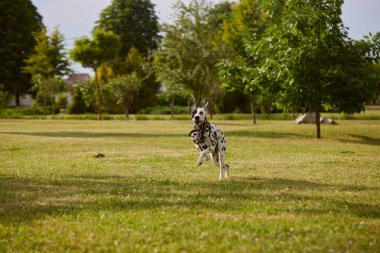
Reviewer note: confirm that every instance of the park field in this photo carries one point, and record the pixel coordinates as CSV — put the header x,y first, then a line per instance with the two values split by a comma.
x,y
134,186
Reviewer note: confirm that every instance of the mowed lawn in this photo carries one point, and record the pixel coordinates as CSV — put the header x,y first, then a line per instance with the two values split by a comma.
x,y
289,192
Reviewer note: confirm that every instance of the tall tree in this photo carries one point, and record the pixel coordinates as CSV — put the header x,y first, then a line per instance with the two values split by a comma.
x,y
47,65
308,49
136,23
92,53
240,69
123,89
18,20
49,57
187,51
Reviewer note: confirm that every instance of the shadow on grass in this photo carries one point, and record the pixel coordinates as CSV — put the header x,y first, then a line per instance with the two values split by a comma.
x,y
25,199
361,139
68,134
264,134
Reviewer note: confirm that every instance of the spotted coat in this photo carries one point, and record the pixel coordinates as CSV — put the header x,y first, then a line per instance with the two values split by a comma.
x,y
209,139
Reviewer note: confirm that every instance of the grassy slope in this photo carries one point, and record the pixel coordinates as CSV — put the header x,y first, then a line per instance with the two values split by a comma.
x,y
289,192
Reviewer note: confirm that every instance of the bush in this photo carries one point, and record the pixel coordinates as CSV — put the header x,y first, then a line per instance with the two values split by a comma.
x,y
16,113
164,110
141,117
78,104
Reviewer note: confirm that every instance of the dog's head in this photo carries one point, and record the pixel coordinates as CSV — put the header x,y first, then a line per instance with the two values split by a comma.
x,y
198,114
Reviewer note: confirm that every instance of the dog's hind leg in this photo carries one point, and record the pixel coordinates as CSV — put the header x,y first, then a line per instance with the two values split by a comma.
x,y
224,168
227,170
222,174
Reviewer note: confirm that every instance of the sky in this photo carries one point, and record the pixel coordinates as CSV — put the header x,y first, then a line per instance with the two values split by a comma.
x,y
76,18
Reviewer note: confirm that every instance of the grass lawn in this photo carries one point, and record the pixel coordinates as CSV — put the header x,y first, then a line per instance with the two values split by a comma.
x,y
289,192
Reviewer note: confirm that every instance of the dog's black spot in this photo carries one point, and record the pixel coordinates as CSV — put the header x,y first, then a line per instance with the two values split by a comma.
x,y
193,112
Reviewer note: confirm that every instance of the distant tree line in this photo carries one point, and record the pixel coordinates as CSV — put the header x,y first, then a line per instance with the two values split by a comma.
x,y
248,55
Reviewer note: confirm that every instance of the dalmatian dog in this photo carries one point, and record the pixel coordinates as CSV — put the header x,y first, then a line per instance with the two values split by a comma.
x,y
209,139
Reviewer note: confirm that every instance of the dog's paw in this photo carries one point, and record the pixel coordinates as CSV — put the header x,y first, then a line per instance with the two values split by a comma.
x,y
200,161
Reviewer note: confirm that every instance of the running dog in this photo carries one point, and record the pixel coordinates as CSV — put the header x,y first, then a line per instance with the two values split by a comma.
x,y
209,139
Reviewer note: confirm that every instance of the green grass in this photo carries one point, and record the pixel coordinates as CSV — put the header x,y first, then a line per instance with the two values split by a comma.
x,y
289,192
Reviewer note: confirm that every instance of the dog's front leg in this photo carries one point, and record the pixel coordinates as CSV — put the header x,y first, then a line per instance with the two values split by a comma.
x,y
203,154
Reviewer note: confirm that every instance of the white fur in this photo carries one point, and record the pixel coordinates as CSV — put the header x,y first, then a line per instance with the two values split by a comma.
x,y
209,139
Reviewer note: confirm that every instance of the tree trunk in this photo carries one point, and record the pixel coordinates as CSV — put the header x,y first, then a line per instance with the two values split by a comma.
x,y
172,107
17,99
45,104
318,123
53,106
211,112
252,108
100,97
126,110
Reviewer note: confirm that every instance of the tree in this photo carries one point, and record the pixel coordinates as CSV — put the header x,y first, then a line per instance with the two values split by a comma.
x,y
134,21
168,77
93,53
47,88
47,65
308,49
18,20
123,89
187,51
240,69
371,45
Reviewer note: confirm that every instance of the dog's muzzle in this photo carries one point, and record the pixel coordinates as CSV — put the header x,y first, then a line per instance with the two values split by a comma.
x,y
197,120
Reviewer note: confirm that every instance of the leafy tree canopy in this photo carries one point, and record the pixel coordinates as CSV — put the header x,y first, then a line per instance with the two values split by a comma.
x,y
134,21
92,53
307,52
49,58
18,20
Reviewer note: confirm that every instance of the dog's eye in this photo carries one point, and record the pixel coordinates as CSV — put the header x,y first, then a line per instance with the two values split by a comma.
x,y
200,112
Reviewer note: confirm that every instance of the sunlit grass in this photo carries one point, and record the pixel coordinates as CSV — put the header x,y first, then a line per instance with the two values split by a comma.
x,y
289,192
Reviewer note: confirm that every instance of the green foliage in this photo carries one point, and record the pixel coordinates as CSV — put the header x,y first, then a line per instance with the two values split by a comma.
x,y
49,58
18,20
21,113
47,88
134,21
306,57
241,70
4,96
122,90
88,93
83,100
162,110
102,49
47,65
187,55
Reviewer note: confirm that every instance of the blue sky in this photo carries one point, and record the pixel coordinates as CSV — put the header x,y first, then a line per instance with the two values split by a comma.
x,y
76,18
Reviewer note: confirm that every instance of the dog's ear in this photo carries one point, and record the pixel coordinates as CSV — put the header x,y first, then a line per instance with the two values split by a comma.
x,y
206,105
